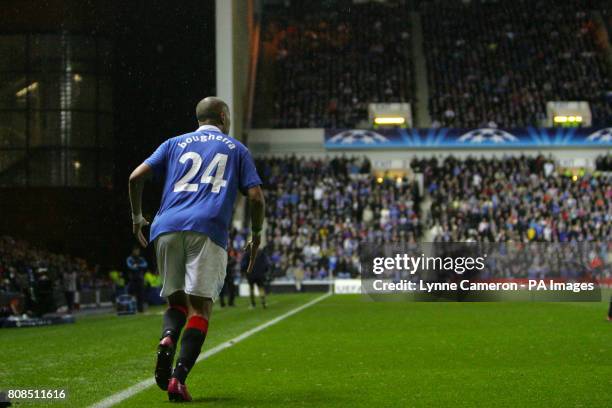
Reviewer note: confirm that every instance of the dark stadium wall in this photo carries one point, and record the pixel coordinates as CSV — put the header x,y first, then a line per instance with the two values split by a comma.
x,y
78,221
164,62
62,219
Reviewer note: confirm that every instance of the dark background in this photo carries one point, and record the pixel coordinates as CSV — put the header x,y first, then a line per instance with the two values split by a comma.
x,y
164,63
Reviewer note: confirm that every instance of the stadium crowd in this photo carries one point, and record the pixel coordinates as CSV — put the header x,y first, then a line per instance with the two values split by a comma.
x,y
318,210
36,273
499,72
504,69
330,65
516,198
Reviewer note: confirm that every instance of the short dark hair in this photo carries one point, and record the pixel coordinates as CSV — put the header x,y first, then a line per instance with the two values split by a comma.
x,y
209,110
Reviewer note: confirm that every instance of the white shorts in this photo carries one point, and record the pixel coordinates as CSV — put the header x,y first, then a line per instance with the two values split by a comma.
x,y
191,262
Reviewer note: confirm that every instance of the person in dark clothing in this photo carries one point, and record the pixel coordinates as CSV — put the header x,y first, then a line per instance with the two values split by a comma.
x,y
137,265
229,287
258,276
70,287
43,293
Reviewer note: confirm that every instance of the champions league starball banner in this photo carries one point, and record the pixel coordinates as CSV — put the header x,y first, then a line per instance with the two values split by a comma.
x,y
466,138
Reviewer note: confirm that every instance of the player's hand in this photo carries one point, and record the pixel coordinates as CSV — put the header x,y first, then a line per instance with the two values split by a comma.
x,y
137,231
252,247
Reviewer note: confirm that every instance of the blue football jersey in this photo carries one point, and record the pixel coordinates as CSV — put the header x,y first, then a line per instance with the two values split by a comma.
x,y
203,172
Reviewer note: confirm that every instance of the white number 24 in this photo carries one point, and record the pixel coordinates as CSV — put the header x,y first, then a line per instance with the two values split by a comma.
x,y
218,162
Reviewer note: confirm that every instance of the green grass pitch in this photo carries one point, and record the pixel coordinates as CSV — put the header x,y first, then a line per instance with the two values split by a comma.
x,y
342,352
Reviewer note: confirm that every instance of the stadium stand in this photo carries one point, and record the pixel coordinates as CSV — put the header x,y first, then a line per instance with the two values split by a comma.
x,y
499,72
517,198
504,69
319,210
330,65
26,271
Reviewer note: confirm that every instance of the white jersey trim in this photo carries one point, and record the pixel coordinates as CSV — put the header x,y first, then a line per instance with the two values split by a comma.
x,y
209,127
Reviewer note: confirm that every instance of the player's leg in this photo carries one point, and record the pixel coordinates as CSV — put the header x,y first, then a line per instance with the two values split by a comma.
x,y
175,316
173,321
69,300
262,294
171,265
610,310
205,272
193,337
222,295
138,283
252,293
232,293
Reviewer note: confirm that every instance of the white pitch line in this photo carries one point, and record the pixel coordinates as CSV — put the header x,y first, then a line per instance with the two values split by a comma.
x,y
144,384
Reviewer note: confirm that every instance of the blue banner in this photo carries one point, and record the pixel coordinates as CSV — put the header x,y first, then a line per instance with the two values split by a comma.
x,y
466,138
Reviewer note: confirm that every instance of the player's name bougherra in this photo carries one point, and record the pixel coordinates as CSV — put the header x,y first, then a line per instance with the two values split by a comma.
x,y
207,137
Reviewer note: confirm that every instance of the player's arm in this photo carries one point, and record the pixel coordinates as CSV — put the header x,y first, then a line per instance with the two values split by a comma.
x,y
257,204
137,180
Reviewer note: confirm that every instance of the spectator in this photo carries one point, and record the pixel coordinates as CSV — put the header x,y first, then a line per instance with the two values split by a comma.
x,y
137,266
70,288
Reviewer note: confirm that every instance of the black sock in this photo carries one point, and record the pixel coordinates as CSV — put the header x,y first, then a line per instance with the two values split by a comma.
x,y
173,322
610,309
191,345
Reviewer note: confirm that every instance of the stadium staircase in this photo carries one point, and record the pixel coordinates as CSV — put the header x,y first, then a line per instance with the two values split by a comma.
x,y
421,110
604,39
266,88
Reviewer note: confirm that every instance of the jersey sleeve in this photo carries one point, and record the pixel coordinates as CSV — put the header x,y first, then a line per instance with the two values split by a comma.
x,y
157,160
248,173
